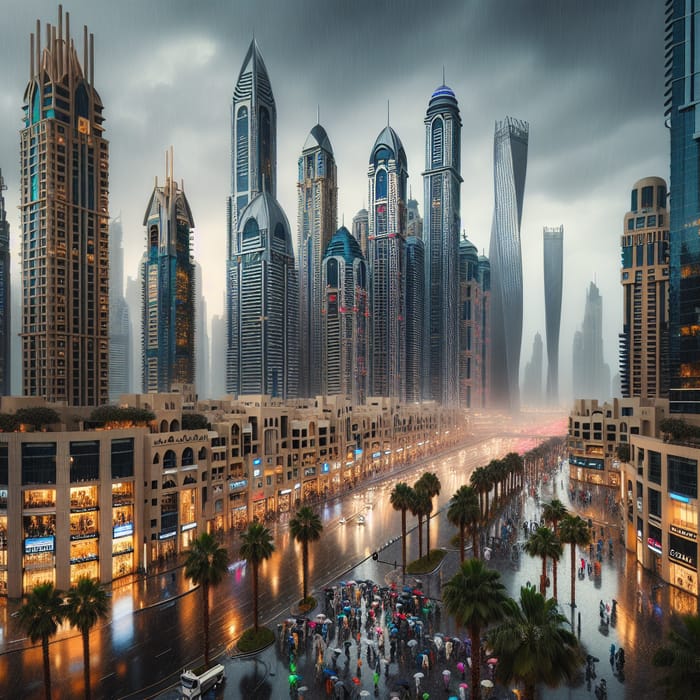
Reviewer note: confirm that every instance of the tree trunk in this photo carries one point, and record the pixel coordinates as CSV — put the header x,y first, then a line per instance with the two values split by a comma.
x,y
205,604
304,567
475,543
543,580
476,663
47,667
554,574
573,576
86,663
427,534
420,536
255,598
461,543
529,692
403,540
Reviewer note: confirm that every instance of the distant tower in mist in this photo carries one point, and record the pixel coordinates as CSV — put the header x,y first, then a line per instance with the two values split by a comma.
x,y
168,277
591,374
553,247
532,381
119,317
414,222
360,228
415,298
644,342
505,254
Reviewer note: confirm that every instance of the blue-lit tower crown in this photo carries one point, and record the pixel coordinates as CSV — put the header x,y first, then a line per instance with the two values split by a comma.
x,y
442,181
388,175
344,318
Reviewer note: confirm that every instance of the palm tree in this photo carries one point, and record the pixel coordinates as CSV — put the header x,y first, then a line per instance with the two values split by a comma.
x,y
514,462
476,597
681,656
532,644
206,565
257,546
401,499
305,527
86,604
544,543
430,483
481,481
40,617
574,530
420,502
552,513
464,512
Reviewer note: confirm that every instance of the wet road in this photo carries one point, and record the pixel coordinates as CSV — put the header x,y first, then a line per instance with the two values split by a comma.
x,y
141,649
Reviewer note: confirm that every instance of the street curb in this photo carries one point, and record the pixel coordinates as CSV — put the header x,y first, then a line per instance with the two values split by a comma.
x,y
172,599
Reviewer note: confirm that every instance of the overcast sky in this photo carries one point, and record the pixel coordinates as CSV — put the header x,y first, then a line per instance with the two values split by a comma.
x,y
587,76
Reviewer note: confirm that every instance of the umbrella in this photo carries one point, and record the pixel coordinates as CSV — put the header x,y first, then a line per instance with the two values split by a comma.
x,y
492,660
418,675
447,673
329,672
364,693
460,667
412,643
337,650
463,685
486,683
417,591
356,680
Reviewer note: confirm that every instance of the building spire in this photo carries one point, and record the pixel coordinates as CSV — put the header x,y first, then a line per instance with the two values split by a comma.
x,y
318,113
387,112
443,73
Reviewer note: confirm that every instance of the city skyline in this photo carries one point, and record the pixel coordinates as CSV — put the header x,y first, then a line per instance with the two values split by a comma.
x,y
607,112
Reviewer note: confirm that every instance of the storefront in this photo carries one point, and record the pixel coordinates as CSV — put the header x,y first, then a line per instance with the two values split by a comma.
x,y
284,500
683,558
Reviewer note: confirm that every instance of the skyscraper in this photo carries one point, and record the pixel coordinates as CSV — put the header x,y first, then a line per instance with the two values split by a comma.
x,y
591,374
644,276
532,381
168,318
505,254
388,175
414,222
201,338
119,318
345,340
360,226
553,247
683,118
473,326
442,183
218,357
264,304
253,161
5,297
415,298
134,286
317,221
64,166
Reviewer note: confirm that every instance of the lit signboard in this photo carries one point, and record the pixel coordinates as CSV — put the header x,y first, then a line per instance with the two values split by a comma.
x,y
122,530
37,545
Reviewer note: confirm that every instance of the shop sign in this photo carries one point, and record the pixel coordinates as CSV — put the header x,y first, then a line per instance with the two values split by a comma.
x,y
84,536
654,545
682,558
683,551
376,455
325,468
167,535
241,484
683,532
284,492
37,545
310,471
188,526
122,530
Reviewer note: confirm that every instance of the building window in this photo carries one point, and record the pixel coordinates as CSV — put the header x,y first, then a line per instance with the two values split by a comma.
x,y
4,469
655,467
647,197
84,461
683,476
122,458
39,463
654,504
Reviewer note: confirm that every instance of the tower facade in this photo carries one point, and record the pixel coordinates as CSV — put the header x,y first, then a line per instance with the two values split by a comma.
x,y
532,381
168,276
442,182
264,304
553,247
5,308
360,227
473,326
344,318
415,298
505,254
64,166
388,175
414,221
253,159
644,342
591,375
316,222
119,318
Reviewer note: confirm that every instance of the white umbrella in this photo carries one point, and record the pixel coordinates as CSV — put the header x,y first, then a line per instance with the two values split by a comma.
x,y
486,683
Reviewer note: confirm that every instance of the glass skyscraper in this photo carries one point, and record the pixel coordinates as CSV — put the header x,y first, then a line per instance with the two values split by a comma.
x,y
505,255
415,304
64,165
683,119
553,250
5,310
344,319
317,217
168,277
442,183
119,319
388,174
253,160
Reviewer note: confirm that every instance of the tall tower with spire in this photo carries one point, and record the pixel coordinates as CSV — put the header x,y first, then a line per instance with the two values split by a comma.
x,y
168,277
442,183
317,220
253,158
64,185
5,334
387,175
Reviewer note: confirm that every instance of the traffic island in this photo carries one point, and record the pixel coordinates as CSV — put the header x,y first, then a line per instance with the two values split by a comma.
x,y
251,642
427,564
304,607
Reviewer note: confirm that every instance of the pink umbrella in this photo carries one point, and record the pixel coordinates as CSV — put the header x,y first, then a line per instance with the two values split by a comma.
x,y
492,660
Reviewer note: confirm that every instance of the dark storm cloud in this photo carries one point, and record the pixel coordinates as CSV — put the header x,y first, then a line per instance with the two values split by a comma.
x,y
588,76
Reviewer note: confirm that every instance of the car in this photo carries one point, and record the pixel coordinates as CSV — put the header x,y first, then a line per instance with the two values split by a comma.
x,y
342,521
361,520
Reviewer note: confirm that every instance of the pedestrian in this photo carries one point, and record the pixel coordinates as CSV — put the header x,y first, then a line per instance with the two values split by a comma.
x,y
612,656
375,678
